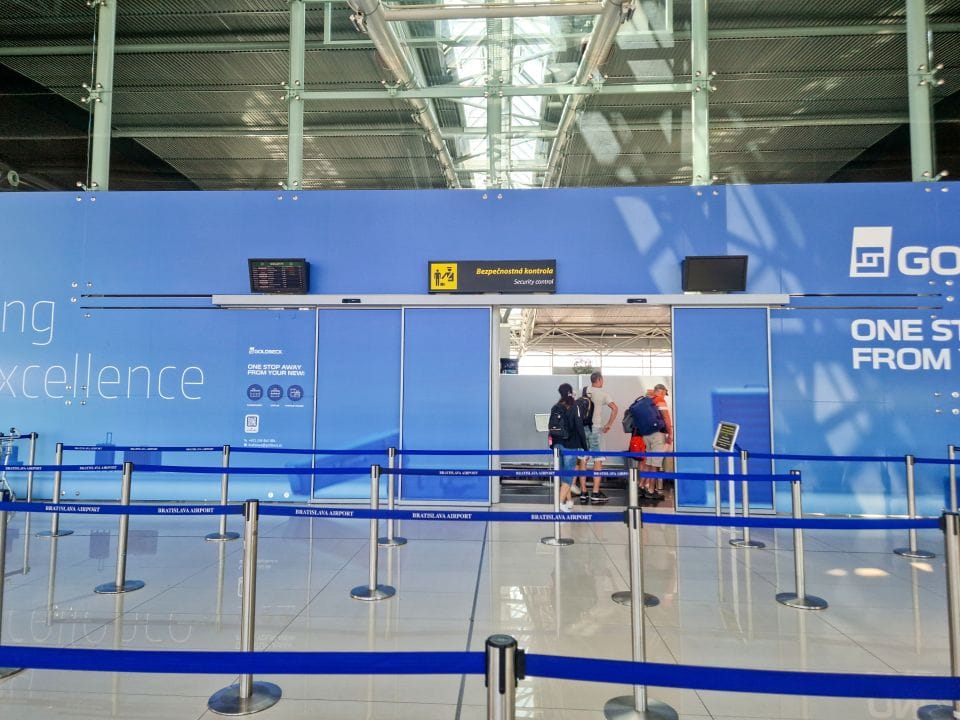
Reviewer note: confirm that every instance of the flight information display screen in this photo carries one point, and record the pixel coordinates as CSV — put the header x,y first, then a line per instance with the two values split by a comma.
x,y
279,275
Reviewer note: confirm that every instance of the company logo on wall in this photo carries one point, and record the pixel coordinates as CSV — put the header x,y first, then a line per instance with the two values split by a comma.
x,y
871,256
870,252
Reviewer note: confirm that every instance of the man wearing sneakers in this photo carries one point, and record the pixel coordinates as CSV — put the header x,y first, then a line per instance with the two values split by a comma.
x,y
657,442
598,428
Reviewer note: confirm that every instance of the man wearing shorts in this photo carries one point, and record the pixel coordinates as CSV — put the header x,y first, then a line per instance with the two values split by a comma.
x,y
598,428
657,442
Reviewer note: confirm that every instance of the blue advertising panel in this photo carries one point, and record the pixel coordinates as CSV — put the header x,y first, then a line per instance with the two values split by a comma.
x,y
721,374
446,402
358,407
101,335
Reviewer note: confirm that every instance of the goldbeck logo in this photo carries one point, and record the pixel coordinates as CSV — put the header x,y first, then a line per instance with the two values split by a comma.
x,y
870,252
871,256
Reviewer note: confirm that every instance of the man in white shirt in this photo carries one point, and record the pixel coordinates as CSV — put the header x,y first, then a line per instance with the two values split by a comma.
x,y
600,399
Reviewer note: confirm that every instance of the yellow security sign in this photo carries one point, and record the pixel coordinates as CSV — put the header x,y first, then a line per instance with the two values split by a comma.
x,y
443,276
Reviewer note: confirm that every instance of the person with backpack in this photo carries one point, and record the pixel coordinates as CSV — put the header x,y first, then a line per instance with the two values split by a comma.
x,y
585,407
598,428
657,435
566,430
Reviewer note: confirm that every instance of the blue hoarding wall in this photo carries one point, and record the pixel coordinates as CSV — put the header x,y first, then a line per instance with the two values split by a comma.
x,y
863,361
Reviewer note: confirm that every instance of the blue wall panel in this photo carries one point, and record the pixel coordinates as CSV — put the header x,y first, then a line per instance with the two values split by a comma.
x,y
358,367
446,394
721,374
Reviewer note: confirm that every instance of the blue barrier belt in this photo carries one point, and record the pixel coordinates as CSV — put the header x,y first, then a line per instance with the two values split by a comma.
x,y
695,677
829,458
475,452
620,453
114,509
210,470
936,461
64,468
162,448
450,515
811,523
305,451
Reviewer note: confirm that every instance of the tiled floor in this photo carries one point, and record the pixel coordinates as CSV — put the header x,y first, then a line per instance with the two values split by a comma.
x,y
458,583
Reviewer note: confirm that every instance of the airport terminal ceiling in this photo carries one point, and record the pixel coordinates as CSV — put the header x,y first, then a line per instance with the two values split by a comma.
x,y
587,94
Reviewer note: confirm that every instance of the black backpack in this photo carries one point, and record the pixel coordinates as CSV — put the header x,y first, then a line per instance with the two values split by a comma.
x,y
585,406
557,426
646,417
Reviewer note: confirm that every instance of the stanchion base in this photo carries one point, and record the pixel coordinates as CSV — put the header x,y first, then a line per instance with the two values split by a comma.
x,y
920,554
228,701
221,537
740,542
807,602
935,712
560,542
381,592
624,708
9,672
58,533
624,598
395,541
113,589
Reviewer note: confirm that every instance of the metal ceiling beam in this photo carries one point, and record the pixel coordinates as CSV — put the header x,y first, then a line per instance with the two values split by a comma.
x,y
295,85
100,96
920,84
411,13
700,97
450,92
598,45
282,46
368,16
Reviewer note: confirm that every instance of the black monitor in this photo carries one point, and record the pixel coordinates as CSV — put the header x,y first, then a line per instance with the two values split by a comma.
x,y
714,273
279,275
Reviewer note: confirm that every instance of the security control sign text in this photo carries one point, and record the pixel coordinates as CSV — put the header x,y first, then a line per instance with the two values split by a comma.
x,y
492,276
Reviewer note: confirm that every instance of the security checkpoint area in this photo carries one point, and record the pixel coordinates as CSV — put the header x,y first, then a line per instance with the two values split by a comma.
x,y
301,439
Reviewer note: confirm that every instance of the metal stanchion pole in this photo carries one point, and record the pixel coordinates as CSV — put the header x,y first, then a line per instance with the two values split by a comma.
x,y
625,597
55,530
223,535
912,551
120,583
504,666
4,497
731,485
952,454
799,599
372,591
951,546
745,541
391,540
247,697
32,461
716,484
637,706
555,539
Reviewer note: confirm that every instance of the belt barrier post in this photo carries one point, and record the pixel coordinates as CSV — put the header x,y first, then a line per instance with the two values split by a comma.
x,y
637,705
952,454
625,597
120,583
504,666
372,591
5,672
716,484
912,551
55,530
247,697
223,535
799,599
555,539
391,540
951,544
745,541
33,459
